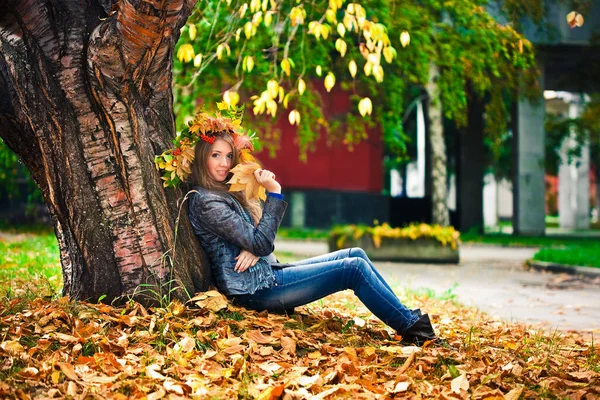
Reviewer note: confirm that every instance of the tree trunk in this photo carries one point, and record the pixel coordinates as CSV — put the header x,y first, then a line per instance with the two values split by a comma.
x,y
471,168
439,194
90,104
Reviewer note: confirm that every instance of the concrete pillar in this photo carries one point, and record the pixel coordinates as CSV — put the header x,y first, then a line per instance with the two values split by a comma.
x,y
490,198
298,209
574,182
528,180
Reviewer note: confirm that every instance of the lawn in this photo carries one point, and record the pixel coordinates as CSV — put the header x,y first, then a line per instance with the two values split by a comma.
x,y
586,256
333,348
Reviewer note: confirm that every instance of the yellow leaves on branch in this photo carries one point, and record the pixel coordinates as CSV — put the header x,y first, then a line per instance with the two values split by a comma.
x,y
185,53
243,179
222,49
319,30
297,15
574,19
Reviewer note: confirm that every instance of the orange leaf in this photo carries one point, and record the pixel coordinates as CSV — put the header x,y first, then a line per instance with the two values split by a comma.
x,y
68,370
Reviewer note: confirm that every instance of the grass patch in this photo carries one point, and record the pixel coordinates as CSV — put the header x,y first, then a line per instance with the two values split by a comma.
x,y
302,233
509,240
30,259
587,256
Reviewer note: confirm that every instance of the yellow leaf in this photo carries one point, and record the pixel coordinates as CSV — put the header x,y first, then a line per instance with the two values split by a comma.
x,y
249,29
319,70
378,73
297,15
273,88
286,100
198,60
459,384
68,370
254,5
329,81
341,29
12,347
286,67
257,19
574,19
231,98
389,53
243,10
294,117
268,18
365,106
248,63
243,175
341,46
368,68
185,53
330,16
192,31
404,38
301,86
352,68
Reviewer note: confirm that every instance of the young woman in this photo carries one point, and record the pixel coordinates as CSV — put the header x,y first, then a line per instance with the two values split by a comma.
x,y
238,237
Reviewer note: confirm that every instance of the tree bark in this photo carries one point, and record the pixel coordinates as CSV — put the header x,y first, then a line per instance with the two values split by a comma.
x,y
439,194
89,105
471,168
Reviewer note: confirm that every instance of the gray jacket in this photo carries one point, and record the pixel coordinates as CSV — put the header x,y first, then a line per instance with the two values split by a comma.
x,y
224,228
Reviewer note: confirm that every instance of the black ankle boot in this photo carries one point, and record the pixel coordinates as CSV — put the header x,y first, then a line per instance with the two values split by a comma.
x,y
419,332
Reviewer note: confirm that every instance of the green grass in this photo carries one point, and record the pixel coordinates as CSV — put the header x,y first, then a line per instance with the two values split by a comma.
x,y
588,256
504,239
28,258
302,233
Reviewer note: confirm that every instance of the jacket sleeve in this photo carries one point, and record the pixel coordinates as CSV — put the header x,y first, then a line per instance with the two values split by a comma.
x,y
219,217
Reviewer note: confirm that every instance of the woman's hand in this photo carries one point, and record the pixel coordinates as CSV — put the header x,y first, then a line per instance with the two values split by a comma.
x,y
267,179
244,261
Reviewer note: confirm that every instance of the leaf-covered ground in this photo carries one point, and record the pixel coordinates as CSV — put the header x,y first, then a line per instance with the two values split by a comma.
x,y
210,349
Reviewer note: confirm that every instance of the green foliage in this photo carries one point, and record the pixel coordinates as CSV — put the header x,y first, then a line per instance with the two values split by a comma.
x,y
476,55
11,172
509,240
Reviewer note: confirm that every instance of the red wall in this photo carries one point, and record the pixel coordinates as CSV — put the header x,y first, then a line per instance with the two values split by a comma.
x,y
330,166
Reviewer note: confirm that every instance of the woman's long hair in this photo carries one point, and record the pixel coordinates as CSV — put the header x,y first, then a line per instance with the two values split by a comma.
x,y
201,177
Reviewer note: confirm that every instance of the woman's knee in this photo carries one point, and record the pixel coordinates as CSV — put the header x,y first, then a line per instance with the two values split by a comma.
x,y
358,252
359,265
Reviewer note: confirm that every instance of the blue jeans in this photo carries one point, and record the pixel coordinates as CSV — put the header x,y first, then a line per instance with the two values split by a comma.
x,y
314,278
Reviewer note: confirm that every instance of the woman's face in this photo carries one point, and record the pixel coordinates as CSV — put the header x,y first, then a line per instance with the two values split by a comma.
x,y
219,160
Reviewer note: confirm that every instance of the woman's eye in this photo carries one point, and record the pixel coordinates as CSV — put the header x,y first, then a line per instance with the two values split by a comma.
x,y
230,156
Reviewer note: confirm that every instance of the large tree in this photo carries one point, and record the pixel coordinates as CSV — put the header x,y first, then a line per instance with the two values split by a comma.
x,y
86,105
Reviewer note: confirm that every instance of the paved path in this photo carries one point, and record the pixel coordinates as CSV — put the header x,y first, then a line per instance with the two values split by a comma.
x,y
493,280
